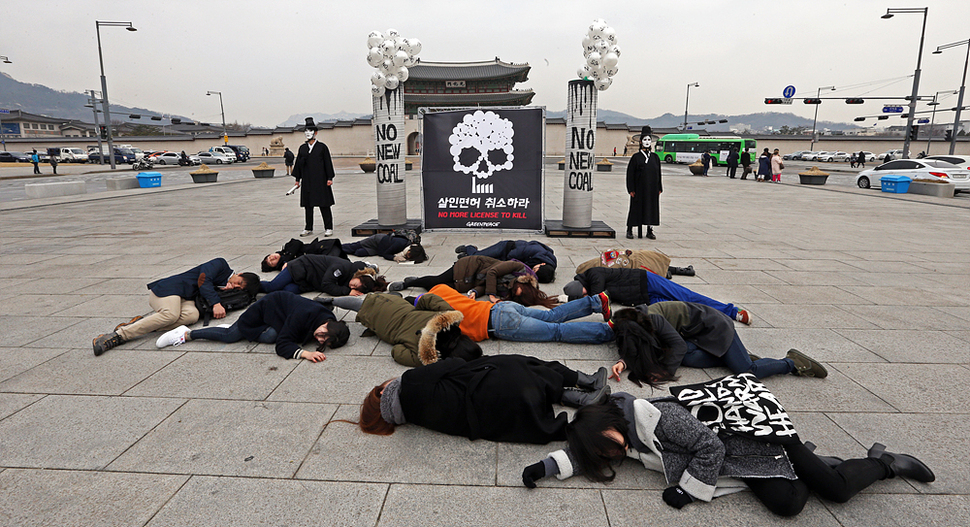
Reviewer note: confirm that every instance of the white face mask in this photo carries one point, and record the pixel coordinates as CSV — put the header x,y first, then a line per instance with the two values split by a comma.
x,y
309,134
647,143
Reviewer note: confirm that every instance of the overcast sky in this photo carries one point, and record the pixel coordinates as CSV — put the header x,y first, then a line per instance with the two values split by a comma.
x,y
272,59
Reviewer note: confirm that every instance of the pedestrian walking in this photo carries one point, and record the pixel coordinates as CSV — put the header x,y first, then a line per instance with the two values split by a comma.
x,y
313,170
288,161
732,164
643,183
706,159
34,158
53,161
746,164
861,160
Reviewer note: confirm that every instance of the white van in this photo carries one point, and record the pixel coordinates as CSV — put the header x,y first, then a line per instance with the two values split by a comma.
x,y
73,154
226,151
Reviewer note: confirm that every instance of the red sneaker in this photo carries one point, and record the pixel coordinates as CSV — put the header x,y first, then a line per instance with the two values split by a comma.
x,y
743,317
605,306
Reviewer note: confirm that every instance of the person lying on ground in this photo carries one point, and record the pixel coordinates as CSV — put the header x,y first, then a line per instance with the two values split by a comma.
x,y
700,464
537,255
388,246
173,301
652,261
326,274
280,318
296,248
482,274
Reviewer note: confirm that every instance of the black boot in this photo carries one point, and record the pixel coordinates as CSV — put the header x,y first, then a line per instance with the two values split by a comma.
x,y
682,271
650,233
629,233
592,383
578,398
640,231
903,465
325,300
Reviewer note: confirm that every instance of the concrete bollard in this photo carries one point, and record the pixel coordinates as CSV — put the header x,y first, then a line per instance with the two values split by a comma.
x,y
121,183
59,188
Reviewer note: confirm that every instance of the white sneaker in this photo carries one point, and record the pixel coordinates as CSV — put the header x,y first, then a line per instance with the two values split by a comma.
x,y
306,232
175,337
328,232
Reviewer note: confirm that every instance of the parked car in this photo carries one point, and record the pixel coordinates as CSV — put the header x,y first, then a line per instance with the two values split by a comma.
x,y
810,155
166,158
794,156
242,152
869,156
837,156
122,155
72,154
912,168
229,154
962,183
14,157
213,158
896,154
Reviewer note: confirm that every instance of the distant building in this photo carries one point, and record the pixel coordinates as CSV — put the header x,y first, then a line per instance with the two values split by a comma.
x,y
27,125
464,84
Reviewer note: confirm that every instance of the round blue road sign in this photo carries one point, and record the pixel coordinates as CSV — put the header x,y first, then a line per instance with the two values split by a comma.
x,y
789,92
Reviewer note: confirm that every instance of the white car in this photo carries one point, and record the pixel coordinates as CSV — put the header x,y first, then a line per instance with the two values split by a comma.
x,y
911,168
213,158
837,156
962,183
172,158
810,156
896,154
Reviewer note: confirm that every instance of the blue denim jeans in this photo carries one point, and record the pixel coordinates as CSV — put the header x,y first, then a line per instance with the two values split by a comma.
x,y
662,290
230,335
513,321
282,282
737,360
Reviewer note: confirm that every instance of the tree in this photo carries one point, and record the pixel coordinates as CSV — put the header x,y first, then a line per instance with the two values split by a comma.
x,y
792,130
238,127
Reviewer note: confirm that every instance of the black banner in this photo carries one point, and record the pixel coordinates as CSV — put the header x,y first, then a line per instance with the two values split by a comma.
x,y
482,169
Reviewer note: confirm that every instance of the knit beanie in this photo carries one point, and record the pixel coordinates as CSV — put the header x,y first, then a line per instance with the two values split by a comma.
x,y
391,403
574,290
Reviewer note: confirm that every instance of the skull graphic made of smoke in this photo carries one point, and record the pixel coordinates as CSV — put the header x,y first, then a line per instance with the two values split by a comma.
x,y
482,144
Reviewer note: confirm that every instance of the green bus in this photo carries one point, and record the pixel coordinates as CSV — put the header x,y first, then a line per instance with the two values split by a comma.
x,y
687,148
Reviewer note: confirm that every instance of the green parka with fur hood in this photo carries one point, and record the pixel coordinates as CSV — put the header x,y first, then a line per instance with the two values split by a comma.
x,y
412,330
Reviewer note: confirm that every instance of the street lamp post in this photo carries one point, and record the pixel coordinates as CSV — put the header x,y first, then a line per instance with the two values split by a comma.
x,y
934,104
225,134
93,103
687,102
963,85
815,121
2,140
104,85
912,99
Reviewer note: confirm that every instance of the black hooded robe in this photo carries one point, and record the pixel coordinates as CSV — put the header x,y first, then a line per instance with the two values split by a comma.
x,y
643,179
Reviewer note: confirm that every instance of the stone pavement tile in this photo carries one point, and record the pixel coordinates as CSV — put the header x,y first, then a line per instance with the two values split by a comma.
x,y
12,402
961,312
811,294
821,344
79,334
963,335
344,453
956,282
232,438
893,509
908,296
824,266
119,286
22,258
39,305
67,498
689,250
736,294
244,502
79,372
914,280
559,351
50,287
513,458
243,346
902,345
407,505
814,278
78,432
891,256
910,317
744,264
934,439
14,361
836,393
249,376
888,266
920,388
798,253
749,277
629,508
818,316
13,283
122,306
339,379
20,330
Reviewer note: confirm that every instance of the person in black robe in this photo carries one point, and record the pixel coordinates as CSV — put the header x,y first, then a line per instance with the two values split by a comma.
x,y
313,170
644,186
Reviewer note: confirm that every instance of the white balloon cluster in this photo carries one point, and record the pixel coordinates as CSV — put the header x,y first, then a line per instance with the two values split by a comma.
x,y
602,54
392,55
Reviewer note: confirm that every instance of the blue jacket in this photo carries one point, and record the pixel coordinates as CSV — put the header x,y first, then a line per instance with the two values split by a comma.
x,y
293,317
186,285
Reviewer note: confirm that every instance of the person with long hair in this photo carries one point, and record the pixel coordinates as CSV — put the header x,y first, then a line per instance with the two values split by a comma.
x,y
632,287
294,249
537,255
504,398
700,464
332,275
280,318
764,166
391,246
654,341
481,274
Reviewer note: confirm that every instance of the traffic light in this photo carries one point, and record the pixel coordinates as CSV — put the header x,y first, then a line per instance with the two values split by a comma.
x,y
947,134
913,132
854,101
813,101
176,120
103,131
774,101
859,119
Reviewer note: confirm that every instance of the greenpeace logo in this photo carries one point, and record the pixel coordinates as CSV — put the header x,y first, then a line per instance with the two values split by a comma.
x,y
482,224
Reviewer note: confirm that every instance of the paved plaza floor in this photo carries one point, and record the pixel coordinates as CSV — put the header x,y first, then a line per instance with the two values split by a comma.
x,y
873,285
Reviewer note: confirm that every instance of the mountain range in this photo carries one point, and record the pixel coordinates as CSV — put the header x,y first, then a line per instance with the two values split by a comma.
x,y
41,100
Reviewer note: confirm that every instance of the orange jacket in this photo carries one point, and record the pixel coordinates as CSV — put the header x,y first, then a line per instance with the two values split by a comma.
x,y
475,323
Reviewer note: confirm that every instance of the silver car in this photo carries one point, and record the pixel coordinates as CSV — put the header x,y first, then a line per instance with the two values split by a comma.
x,y
911,168
213,158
